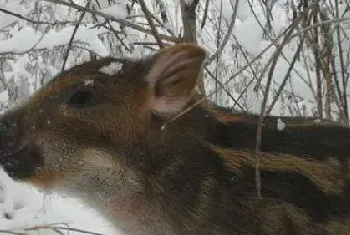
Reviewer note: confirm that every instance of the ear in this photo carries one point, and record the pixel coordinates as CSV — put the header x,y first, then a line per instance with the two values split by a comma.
x,y
173,76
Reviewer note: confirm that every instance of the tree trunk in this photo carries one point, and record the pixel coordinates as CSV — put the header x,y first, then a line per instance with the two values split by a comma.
x,y
189,17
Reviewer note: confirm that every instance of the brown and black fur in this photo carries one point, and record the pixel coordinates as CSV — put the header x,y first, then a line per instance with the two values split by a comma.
x,y
302,136
105,143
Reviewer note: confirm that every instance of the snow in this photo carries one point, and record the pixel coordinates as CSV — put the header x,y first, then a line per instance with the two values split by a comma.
x,y
23,206
116,11
27,38
6,20
111,69
188,2
88,82
317,121
251,38
280,124
12,6
4,96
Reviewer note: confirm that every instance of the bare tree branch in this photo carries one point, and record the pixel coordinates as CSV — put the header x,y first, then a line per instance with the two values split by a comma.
x,y
205,15
224,84
223,87
53,227
320,24
148,16
34,21
284,81
109,17
11,232
227,36
343,99
26,51
73,34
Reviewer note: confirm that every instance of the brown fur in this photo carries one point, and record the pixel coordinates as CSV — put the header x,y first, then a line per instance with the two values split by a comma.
x,y
323,140
109,148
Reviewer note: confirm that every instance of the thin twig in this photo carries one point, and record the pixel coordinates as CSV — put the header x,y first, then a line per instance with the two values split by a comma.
x,y
216,90
73,34
118,37
148,16
54,226
320,24
227,36
11,232
64,228
205,14
289,29
162,24
284,81
263,108
223,87
110,17
34,21
26,51
343,100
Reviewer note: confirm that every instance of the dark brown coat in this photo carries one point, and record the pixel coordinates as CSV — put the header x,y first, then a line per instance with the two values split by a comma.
x,y
100,137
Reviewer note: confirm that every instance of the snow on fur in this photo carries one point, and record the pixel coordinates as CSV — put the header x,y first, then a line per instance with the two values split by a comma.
x,y
111,69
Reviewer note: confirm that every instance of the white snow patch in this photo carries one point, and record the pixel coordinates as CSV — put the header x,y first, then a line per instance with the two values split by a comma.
x,y
27,38
13,6
188,2
24,206
88,82
251,38
111,69
4,96
280,124
6,20
117,11
6,197
317,120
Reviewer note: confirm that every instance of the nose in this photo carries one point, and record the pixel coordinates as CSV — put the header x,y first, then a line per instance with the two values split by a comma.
x,y
23,163
17,157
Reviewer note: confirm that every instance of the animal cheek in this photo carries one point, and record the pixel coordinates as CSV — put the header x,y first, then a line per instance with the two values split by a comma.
x,y
35,121
97,159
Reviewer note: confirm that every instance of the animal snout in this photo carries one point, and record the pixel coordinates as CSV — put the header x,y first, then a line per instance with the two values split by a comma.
x,y
17,157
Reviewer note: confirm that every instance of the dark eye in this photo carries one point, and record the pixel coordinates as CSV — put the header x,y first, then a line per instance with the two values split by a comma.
x,y
80,98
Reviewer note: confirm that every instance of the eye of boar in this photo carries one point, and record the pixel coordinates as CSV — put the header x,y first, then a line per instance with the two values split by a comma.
x,y
81,99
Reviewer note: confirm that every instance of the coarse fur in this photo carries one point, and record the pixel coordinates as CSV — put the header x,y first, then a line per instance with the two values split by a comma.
x,y
310,137
103,141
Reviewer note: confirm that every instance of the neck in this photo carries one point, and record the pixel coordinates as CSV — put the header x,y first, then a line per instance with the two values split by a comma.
x,y
132,209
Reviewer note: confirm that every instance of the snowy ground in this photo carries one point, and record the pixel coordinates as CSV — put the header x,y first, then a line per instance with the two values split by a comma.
x,y
23,206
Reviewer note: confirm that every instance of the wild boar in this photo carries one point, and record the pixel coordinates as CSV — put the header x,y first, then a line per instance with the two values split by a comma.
x,y
97,131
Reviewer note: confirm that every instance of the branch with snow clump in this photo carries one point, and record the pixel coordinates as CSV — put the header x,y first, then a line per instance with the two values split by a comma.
x,y
113,18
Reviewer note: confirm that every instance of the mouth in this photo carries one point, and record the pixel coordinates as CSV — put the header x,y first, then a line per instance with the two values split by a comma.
x,y
21,164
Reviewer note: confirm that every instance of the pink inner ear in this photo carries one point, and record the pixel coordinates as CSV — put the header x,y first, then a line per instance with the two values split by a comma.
x,y
161,67
168,106
172,77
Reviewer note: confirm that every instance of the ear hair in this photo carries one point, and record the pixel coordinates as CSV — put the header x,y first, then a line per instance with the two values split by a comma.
x,y
173,76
